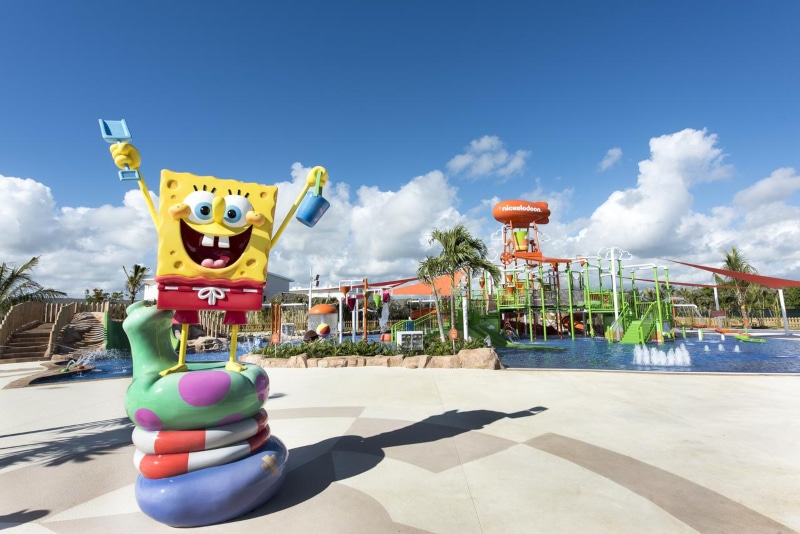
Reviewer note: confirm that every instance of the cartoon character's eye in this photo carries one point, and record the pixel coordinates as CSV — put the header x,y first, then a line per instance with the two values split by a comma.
x,y
236,207
201,204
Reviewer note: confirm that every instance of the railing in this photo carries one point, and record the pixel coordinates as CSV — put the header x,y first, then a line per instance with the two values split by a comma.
x,y
623,320
53,312
211,321
426,323
64,317
23,314
648,323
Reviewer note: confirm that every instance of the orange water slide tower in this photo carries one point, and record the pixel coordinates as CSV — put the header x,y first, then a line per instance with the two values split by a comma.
x,y
520,234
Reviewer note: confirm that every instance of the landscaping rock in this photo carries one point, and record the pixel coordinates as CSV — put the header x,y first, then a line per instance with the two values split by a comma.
x,y
485,358
466,359
444,362
298,362
416,362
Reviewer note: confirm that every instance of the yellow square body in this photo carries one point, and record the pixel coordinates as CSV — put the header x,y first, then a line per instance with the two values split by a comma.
x,y
214,228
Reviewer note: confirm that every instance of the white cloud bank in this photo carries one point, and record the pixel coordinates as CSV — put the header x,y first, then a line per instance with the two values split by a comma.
x,y
384,234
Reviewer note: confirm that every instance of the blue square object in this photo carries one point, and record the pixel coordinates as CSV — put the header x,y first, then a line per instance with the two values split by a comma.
x,y
115,131
129,176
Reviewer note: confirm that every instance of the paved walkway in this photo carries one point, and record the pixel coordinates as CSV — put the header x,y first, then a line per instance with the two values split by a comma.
x,y
399,450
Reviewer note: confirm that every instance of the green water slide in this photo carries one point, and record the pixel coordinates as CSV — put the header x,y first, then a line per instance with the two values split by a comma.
x,y
481,326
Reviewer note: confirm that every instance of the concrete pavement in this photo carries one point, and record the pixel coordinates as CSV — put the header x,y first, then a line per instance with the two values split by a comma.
x,y
427,450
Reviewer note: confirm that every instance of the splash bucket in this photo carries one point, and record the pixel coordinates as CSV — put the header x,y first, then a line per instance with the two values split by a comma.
x,y
520,240
313,206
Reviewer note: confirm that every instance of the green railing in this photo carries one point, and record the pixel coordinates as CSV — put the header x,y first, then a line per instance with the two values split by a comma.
x,y
649,323
426,323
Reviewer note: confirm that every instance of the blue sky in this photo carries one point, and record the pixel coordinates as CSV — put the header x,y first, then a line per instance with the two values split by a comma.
x,y
424,113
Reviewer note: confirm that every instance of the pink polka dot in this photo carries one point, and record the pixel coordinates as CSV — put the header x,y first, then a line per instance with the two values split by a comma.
x,y
204,388
262,387
147,419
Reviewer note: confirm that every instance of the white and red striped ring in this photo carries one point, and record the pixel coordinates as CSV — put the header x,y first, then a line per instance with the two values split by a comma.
x,y
177,441
170,465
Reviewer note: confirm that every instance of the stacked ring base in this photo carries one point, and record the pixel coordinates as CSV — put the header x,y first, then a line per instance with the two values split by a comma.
x,y
215,494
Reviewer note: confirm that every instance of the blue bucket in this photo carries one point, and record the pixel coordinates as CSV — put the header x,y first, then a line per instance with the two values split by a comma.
x,y
312,209
313,206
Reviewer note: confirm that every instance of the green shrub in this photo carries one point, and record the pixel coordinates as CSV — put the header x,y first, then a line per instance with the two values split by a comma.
x,y
329,347
326,348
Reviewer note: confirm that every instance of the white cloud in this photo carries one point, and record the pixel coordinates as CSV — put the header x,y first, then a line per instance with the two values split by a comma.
x,y
656,218
383,233
80,248
775,188
486,157
612,156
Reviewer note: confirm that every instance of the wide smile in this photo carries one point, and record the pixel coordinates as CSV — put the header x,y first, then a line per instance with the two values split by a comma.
x,y
214,252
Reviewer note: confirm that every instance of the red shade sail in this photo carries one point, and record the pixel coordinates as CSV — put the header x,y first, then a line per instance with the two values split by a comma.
x,y
768,281
422,289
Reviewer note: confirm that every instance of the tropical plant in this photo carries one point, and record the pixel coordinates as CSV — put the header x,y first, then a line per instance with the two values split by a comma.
x,y
791,296
17,285
428,271
461,252
134,280
736,262
96,295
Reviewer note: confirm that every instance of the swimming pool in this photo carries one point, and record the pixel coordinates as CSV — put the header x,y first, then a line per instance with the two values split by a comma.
x,y
714,353
118,364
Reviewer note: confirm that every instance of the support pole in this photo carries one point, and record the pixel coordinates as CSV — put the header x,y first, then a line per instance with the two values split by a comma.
x,y
365,309
783,312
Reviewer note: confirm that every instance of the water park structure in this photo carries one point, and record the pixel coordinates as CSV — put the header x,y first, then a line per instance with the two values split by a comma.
x,y
539,296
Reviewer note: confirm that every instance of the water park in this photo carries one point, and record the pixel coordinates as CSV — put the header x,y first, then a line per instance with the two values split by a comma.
x,y
204,452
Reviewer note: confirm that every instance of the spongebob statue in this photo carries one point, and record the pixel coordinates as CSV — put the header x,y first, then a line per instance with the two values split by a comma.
x,y
204,451
214,239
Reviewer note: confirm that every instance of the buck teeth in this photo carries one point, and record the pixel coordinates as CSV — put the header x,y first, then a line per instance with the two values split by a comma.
x,y
223,242
208,241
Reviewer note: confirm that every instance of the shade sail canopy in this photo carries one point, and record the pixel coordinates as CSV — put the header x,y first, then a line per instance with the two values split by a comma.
x,y
388,284
687,284
768,281
422,289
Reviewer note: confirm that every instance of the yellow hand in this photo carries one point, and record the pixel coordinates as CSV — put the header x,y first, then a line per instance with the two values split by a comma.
x,y
311,179
125,156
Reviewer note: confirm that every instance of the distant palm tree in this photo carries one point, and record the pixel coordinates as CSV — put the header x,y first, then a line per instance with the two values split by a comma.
x,y
461,252
428,271
16,286
134,280
736,262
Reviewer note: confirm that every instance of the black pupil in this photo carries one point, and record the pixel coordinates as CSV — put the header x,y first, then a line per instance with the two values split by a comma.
x,y
205,210
231,214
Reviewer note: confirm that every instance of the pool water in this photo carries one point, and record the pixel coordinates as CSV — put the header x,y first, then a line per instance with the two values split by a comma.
x,y
118,364
714,353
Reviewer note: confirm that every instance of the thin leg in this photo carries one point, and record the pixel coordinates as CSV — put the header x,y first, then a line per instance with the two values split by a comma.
x,y
232,365
181,367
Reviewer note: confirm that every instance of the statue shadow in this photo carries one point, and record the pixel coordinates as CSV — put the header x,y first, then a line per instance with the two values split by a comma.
x,y
313,468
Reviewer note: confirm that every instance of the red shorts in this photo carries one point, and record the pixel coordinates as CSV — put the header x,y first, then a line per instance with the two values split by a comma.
x,y
189,295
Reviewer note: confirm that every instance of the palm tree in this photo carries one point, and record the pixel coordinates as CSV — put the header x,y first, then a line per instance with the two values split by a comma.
x,y
134,280
461,252
16,286
428,271
736,262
